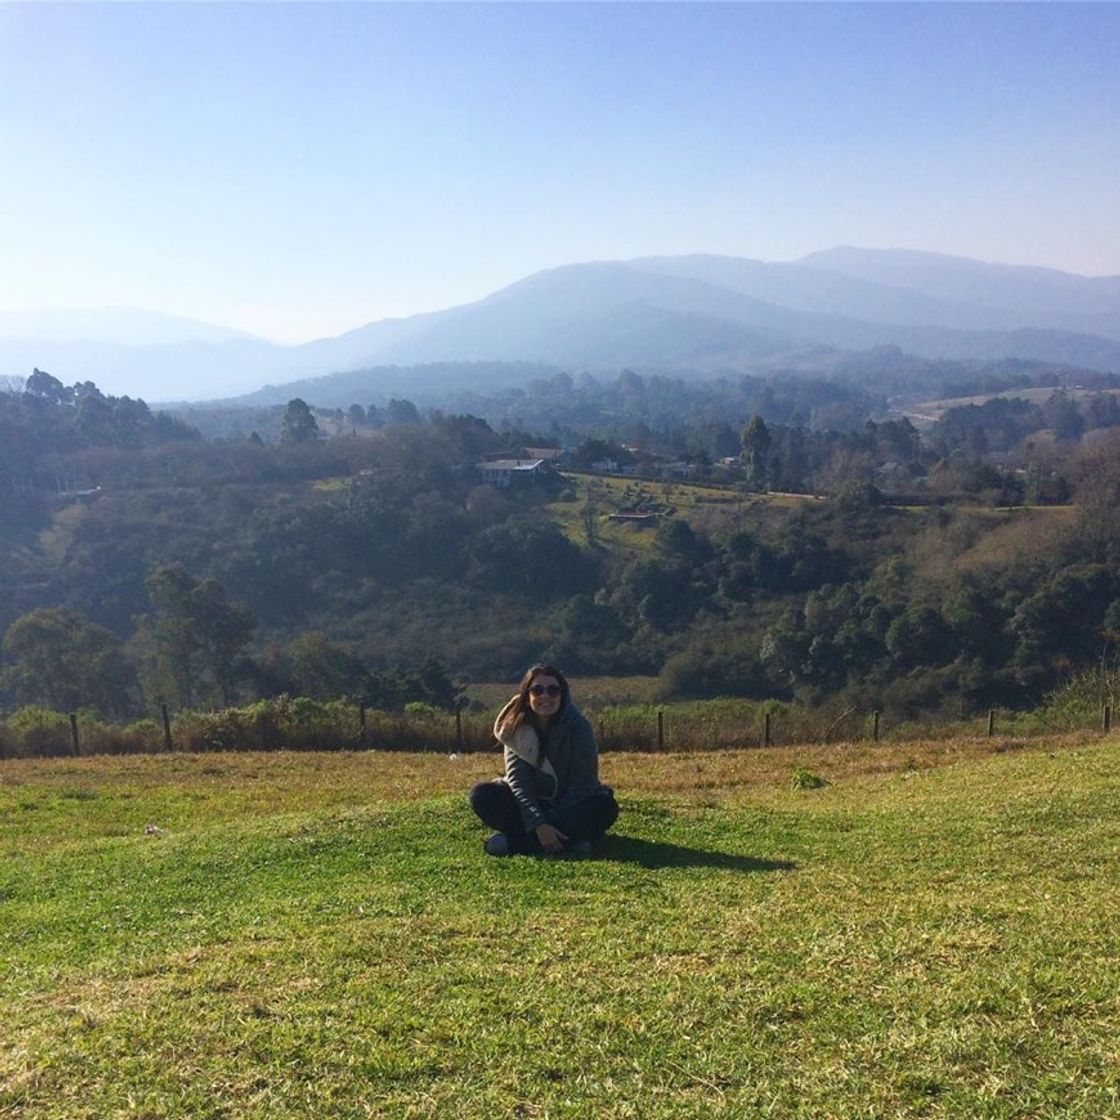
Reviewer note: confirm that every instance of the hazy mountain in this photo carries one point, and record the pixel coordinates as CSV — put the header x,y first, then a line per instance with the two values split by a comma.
x,y
132,352
1034,297
155,373
125,326
678,313
832,293
587,314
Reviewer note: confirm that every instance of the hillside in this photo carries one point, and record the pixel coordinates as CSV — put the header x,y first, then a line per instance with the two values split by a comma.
x,y
846,561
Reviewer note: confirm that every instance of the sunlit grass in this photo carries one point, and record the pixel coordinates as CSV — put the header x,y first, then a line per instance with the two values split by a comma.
x,y
930,933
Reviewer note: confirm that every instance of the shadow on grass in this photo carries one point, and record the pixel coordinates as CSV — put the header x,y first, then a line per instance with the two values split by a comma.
x,y
648,853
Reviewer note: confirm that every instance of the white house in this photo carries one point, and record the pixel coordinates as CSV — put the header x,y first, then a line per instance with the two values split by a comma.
x,y
502,472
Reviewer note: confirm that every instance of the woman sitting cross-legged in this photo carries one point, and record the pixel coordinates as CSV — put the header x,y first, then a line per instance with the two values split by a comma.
x,y
551,799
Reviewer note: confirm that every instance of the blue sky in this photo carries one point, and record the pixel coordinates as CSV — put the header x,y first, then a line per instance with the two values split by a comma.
x,y
300,169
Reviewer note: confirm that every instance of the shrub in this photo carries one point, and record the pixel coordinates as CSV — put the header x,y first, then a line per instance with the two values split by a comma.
x,y
283,723
419,708
97,737
36,732
1077,703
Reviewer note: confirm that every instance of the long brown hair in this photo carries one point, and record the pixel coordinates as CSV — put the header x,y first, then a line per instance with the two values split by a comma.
x,y
522,710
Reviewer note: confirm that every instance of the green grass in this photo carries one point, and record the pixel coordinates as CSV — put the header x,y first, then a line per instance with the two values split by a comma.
x,y
932,933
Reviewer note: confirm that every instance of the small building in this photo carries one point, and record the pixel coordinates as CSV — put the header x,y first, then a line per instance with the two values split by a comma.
x,y
503,472
892,476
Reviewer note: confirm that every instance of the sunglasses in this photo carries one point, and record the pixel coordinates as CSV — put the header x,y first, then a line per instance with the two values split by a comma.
x,y
543,689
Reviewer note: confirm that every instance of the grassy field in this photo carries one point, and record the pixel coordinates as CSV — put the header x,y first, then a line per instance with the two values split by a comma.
x,y
696,504
932,933
934,410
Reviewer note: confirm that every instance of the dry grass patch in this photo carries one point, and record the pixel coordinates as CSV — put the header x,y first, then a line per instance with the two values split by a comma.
x,y
1024,535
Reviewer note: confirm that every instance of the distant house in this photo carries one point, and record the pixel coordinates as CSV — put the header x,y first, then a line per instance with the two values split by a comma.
x,y
503,472
893,476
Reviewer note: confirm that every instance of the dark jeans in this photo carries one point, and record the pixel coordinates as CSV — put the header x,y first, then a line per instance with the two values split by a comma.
x,y
586,819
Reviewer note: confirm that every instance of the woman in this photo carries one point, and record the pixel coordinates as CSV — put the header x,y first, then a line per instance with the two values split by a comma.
x,y
551,799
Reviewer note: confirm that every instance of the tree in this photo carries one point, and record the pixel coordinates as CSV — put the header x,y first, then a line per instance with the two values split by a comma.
x,y
677,540
659,593
42,384
590,518
1061,625
324,669
590,634
299,424
755,439
920,637
60,660
1102,410
94,420
529,557
130,420
199,634
1061,414
593,451
401,411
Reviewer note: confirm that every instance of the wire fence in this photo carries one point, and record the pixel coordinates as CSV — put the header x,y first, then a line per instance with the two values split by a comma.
x,y
299,723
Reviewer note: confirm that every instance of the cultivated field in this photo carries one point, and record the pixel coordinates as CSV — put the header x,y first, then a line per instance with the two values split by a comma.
x,y
932,933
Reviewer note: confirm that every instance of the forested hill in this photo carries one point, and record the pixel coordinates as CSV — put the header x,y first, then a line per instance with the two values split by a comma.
x,y
364,553
425,384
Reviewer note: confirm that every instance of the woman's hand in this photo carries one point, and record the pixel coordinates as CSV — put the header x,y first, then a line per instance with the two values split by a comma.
x,y
550,837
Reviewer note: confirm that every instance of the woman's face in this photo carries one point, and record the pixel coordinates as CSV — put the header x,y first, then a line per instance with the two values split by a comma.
x,y
544,696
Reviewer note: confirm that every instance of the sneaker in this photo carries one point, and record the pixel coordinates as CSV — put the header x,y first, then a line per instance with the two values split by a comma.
x,y
580,848
497,845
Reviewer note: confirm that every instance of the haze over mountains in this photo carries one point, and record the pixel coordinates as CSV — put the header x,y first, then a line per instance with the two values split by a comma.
x,y
698,312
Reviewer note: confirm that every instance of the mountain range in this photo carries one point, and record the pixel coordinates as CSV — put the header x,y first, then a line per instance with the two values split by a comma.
x,y
699,313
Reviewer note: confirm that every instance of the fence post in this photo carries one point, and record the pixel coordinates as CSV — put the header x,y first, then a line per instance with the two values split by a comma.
x,y
660,730
766,730
168,745
362,721
875,725
1106,719
991,722
74,733
459,729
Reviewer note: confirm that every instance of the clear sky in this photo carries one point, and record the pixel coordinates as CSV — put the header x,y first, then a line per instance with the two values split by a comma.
x,y
300,169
